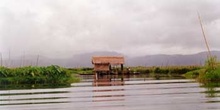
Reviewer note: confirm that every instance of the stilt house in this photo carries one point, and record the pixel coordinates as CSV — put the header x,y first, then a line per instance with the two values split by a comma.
x,y
103,64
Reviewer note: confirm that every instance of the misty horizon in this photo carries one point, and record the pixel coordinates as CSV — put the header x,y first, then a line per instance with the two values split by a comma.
x,y
84,60
96,53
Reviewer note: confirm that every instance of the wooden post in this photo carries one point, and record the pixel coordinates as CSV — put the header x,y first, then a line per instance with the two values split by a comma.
x,y
94,76
122,78
110,75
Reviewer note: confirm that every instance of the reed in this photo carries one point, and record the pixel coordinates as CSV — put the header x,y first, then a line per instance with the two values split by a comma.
x,y
178,70
210,73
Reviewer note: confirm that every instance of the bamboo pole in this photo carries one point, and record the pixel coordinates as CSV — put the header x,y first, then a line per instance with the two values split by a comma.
x,y
206,42
204,36
1,59
37,60
23,62
9,58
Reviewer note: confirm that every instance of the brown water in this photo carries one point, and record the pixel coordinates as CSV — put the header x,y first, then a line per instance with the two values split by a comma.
x,y
133,94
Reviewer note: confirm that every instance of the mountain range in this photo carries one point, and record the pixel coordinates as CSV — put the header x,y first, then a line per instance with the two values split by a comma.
x,y
84,60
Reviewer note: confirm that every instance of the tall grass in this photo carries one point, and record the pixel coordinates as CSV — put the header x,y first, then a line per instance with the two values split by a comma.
x,y
84,70
178,70
210,73
36,75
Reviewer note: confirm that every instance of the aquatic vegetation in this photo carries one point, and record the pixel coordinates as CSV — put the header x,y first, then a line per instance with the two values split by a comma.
x,y
84,70
210,73
36,75
168,70
194,74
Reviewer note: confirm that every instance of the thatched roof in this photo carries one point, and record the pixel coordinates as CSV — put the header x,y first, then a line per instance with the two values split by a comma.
x,y
108,60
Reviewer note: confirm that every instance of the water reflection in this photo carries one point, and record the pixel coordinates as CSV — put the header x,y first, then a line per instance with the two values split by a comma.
x,y
32,86
108,94
134,93
212,90
108,83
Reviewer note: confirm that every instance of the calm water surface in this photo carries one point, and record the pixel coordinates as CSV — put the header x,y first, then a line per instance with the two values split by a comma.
x,y
132,94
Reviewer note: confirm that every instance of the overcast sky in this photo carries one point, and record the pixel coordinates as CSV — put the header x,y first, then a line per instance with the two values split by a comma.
x,y
62,28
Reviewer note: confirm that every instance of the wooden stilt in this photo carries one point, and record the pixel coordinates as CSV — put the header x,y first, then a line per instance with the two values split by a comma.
x,y
96,77
122,78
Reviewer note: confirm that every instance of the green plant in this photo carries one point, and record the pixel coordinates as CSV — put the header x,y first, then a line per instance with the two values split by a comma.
x,y
212,71
36,75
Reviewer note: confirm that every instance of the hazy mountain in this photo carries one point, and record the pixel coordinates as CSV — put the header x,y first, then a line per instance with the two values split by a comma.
x,y
80,60
166,60
84,60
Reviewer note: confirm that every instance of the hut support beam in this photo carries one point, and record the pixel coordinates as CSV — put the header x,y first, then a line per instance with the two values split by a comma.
x,y
122,77
96,76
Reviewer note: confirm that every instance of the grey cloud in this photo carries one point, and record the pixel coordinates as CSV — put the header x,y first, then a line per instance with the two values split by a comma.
x,y
67,27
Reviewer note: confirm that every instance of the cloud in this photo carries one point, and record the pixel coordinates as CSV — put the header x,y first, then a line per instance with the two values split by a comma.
x,y
66,27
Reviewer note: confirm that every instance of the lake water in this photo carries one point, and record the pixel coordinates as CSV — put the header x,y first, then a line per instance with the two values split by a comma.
x,y
132,94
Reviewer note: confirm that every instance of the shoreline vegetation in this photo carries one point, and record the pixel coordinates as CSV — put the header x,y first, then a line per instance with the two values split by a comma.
x,y
58,75
54,75
209,75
